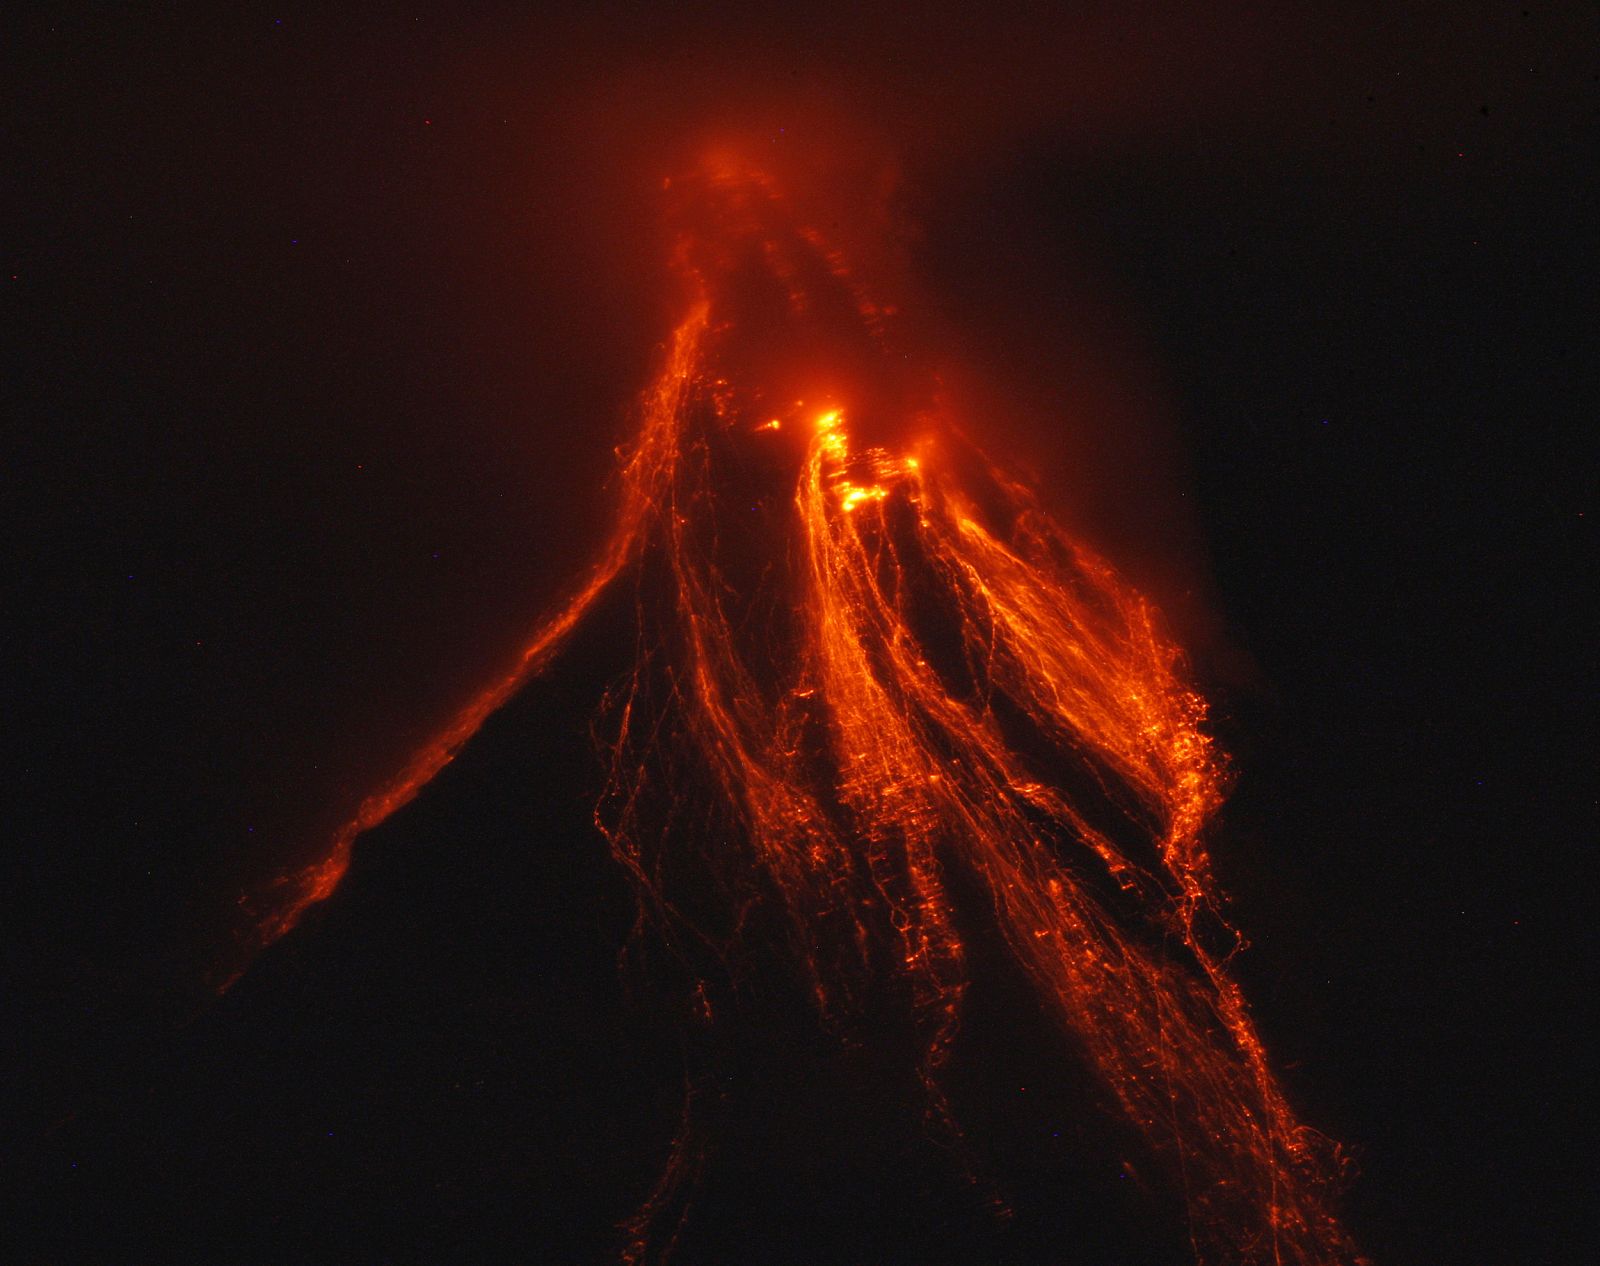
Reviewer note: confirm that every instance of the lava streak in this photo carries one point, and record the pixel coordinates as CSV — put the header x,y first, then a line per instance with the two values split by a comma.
x,y
869,672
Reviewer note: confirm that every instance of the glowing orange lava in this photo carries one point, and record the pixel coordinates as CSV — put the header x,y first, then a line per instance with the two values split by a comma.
x,y
907,669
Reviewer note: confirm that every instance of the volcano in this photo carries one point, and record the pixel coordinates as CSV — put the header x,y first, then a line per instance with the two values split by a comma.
x,y
827,881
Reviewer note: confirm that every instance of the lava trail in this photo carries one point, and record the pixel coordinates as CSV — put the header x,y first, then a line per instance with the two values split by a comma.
x,y
871,669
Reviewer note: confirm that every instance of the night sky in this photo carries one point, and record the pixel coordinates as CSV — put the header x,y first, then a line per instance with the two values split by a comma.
x,y
322,330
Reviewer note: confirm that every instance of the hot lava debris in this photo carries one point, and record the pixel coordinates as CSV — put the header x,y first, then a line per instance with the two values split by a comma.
x,y
884,720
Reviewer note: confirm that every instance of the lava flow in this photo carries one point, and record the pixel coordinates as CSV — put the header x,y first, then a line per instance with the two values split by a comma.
x,y
871,670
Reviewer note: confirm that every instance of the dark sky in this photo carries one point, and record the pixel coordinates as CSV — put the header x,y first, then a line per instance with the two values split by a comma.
x,y
323,327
